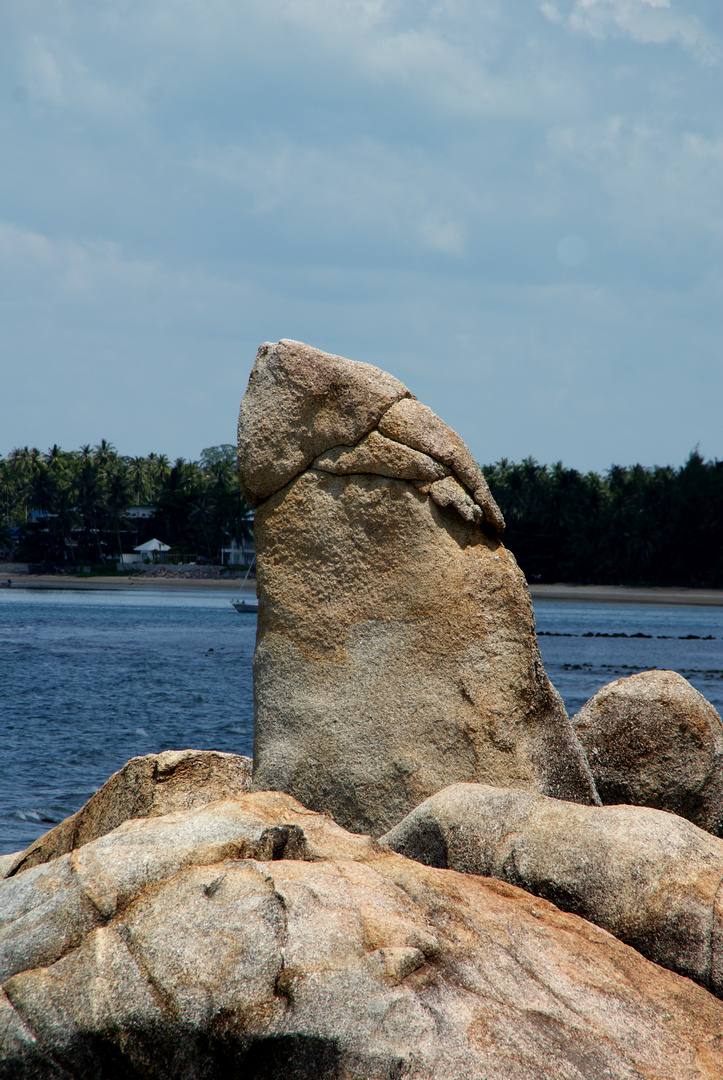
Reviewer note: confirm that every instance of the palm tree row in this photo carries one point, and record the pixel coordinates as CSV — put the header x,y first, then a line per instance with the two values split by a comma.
x,y
632,526
65,506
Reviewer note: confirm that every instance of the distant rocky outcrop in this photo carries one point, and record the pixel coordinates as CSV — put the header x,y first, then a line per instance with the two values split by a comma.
x,y
146,786
250,937
653,740
396,651
652,879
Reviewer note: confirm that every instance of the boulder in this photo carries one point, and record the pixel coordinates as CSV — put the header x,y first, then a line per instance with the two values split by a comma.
x,y
146,786
652,879
253,938
7,861
653,740
396,651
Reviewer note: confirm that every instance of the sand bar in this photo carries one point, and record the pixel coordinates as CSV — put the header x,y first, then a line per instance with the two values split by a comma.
x,y
620,594
128,584
597,594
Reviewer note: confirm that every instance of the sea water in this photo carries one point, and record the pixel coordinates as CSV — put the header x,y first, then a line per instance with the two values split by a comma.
x,y
91,679
584,646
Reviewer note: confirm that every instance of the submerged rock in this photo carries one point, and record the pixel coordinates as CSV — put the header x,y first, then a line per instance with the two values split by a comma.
x,y
146,786
653,740
396,651
652,879
252,937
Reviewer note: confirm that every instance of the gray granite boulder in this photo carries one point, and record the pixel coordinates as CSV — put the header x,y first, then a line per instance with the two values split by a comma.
x,y
253,938
652,879
653,740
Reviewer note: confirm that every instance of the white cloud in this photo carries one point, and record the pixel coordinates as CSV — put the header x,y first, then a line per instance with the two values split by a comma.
x,y
645,21
388,179
36,266
551,12
43,73
656,186
361,189
54,75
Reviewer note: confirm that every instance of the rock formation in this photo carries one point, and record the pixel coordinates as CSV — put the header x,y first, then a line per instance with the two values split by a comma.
x,y
181,925
146,786
653,740
253,938
652,879
396,651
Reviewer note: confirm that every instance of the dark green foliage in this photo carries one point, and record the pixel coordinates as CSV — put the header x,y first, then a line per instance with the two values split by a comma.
x,y
63,507
634,526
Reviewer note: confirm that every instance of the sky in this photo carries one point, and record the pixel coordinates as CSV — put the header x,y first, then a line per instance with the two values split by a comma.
x,y
513,206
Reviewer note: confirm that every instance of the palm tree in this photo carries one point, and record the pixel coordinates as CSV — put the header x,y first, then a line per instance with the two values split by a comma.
x,y
139,475
117,497
159,468
203,510
90,496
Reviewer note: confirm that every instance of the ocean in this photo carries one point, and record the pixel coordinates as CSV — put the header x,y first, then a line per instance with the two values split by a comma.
x,y
91,679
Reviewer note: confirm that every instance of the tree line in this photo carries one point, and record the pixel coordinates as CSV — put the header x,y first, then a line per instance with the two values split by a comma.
x,y
630,526
63,507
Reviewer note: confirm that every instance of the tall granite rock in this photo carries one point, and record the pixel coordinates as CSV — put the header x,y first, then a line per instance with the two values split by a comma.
x,y
396,651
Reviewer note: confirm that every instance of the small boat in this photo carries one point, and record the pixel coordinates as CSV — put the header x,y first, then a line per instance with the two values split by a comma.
x,y
244,604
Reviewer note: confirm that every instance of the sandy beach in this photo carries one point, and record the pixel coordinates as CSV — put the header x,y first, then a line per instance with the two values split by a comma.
x,y
619,594
608,594
128,584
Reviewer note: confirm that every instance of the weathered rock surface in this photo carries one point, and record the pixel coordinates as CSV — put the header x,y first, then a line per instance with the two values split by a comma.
x,y
450,493
396,651
146,786
6,861
652,879
653,740
300,402
410,422
383,457
252,937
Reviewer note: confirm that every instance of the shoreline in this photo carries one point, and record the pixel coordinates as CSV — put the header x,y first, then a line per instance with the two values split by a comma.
x,y
622,594
55,582
594,594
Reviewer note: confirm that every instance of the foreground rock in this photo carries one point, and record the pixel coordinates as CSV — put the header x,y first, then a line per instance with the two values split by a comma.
x,y
146,786
651,879
653,740
252,937
396,652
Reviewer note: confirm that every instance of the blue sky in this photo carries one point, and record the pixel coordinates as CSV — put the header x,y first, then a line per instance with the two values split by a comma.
x,y
515,207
